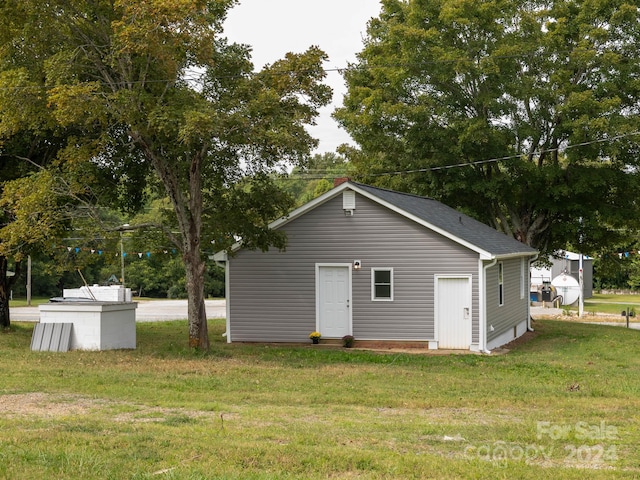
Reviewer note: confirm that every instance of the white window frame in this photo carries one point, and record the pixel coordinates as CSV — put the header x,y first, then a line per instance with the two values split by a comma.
x,y
500,284
522,278
373,284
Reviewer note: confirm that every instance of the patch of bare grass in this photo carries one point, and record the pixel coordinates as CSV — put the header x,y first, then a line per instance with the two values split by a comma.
x,y
42,405
38,405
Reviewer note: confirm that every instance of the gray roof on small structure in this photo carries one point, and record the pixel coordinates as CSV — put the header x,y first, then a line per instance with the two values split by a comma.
x,y
457,224
430,213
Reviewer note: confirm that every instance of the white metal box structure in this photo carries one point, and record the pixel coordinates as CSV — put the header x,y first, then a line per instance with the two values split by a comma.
x,y
110,293
96,325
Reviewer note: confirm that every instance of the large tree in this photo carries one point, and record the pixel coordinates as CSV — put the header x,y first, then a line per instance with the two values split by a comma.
x,y
523,113
155,86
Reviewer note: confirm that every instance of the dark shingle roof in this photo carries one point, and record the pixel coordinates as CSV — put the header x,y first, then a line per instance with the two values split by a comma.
x,y
456,224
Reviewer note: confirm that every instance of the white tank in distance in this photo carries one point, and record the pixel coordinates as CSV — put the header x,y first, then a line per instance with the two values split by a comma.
x,y
568,287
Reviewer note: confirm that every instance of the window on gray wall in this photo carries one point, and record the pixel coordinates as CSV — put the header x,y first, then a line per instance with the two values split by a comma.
x,y
382,284
523,281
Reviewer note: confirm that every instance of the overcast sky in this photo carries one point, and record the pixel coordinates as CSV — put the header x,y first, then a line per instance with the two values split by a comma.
x,y
275,27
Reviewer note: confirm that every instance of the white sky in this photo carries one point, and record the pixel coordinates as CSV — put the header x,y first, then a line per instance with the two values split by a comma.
x,y
275,27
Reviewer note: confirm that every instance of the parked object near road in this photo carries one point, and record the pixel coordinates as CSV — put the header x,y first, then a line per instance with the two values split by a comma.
x,y
567,287
103,293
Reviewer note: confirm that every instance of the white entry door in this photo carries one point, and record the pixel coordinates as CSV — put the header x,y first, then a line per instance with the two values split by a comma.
x,y
334,296
453,312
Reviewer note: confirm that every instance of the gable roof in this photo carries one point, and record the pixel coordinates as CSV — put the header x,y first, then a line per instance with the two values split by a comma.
x,y
451,223
436,216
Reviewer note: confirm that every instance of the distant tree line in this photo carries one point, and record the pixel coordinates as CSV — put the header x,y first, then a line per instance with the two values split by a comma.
x,y
159,277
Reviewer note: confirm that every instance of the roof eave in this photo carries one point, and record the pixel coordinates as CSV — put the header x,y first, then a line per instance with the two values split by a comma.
x,y
507,256
325,197
298,212
220,256
484,254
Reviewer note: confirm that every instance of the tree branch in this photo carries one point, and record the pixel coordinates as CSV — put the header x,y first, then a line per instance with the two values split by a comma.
x,y
28,160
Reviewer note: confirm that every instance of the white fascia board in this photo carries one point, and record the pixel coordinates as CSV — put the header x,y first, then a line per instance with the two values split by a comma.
x,y
508,256
220,256
484,255
325,197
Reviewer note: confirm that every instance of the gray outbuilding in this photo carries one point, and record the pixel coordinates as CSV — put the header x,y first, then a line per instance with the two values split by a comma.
x,y
382,266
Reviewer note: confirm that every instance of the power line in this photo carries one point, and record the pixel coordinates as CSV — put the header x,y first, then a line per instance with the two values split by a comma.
x,y
509,157
319,175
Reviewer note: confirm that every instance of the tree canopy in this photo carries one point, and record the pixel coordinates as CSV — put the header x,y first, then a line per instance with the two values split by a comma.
x,y
315,177
525,114
153,91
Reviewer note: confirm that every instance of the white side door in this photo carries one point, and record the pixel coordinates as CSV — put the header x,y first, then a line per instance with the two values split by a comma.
x,y
453,312
333,299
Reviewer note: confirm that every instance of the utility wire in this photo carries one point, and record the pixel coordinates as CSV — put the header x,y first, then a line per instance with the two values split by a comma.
x,y
317,175
510,157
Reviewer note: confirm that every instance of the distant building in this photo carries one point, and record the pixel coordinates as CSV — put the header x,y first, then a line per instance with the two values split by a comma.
x,y
565,263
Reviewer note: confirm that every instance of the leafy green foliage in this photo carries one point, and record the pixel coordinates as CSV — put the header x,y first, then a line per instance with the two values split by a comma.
x,y
315,177
264,411
36,212
515,112
162,276
152,93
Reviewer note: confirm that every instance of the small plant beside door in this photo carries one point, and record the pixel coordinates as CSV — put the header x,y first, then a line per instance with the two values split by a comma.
x,y
315,337
347,341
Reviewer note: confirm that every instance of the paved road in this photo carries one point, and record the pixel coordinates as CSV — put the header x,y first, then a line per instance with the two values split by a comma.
x,y
147,311
159,310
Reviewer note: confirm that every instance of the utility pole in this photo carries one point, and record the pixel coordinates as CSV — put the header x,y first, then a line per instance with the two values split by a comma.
x,y
29,280
581,282
580,269
122,260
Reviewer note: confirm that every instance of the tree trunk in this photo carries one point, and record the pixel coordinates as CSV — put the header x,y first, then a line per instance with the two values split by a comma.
x,y
194,264
188,209
198,331
5,321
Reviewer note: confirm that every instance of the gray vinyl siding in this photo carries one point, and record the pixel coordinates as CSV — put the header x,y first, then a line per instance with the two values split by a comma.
x,y
587,278
272,294
514,309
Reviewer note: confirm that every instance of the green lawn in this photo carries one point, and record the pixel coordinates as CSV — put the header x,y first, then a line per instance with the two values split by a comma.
x,y
563,405
22,302
610,303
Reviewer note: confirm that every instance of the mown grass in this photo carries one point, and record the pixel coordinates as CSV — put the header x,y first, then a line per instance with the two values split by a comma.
x,y
22,302
562,405
613,304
